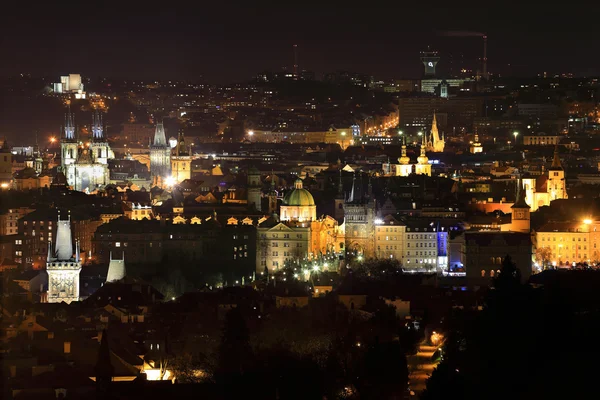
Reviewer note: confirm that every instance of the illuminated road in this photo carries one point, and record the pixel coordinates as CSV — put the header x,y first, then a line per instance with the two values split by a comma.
x,y
421,366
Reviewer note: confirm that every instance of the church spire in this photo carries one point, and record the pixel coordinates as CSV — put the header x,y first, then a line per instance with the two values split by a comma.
x,y
97,129
351,197
50,258
159,135
340,186
556,164
69,125
521,202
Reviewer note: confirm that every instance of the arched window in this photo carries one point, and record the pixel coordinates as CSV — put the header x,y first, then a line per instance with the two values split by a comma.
x,y
492,273
483,272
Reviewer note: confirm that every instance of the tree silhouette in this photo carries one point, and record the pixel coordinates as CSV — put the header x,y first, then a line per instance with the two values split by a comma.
x,y
235,359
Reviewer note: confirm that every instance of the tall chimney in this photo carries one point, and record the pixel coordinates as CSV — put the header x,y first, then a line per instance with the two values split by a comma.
x,y
485,75
295,61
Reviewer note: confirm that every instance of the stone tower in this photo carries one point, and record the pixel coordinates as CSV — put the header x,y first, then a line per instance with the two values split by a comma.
x,y
254,189
181,160
521,221
68,143
556,179
160,154
63,269
272,196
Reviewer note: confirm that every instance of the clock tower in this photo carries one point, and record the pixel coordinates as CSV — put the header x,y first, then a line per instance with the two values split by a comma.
x,y
63,269
521,221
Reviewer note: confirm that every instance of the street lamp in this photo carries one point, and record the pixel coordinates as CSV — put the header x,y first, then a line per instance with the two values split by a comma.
x,y
400,132
515,134
343,133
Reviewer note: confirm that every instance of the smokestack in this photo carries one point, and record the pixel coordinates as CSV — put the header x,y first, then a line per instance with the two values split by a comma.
x,y
485,75
295,62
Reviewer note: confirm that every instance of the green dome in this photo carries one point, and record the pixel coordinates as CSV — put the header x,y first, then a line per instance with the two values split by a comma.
x,y
298,196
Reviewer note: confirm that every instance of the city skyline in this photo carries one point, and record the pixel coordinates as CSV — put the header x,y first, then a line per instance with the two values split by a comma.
x,y
233,45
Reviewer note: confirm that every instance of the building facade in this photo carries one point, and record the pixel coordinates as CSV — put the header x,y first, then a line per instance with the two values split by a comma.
x,y
85,165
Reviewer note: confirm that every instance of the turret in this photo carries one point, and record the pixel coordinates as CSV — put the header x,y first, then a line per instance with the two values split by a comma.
x,y
521,212
159,135
97,129
69,126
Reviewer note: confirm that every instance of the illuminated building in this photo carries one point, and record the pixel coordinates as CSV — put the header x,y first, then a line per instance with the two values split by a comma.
x,y
181,160
568,242
70,84
359,220
540,191
429,59
423,167
298,205
521,220
116,269
5,165
435,143
160,154
85,165
63,269
404,167
476,147
297,234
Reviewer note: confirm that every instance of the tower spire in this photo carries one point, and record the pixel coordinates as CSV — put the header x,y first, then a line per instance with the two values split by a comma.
x,y
556,165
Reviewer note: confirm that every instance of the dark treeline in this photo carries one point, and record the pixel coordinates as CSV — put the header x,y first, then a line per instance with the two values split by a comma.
x,y
526,342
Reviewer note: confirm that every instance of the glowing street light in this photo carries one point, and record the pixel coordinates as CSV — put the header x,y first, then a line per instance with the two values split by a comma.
x,y
515,134
170,181
400,132
587,221
52,140
250,133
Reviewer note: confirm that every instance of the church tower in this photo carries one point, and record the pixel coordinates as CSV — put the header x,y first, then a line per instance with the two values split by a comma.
x,y
160,154
476,147
63,269
101,151
272,196
556,179
254,189
404,168
181,161
438,143
339,200
68,143
423,167
521,221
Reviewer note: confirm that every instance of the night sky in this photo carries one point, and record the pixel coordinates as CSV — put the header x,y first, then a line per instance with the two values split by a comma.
x,y
224,42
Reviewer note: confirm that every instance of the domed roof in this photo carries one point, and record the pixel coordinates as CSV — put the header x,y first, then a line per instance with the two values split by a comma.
x,y
298,197
26,173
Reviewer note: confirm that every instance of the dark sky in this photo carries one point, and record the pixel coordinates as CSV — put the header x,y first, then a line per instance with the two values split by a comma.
x,y
224,42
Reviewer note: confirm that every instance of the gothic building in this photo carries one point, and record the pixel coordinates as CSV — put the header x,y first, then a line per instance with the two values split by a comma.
x,y
85,166
359,218
160,155
435,143
541,190
181,160
63,269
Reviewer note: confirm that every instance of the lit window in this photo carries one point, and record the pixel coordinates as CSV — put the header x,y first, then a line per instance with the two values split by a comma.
x,y
117,244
